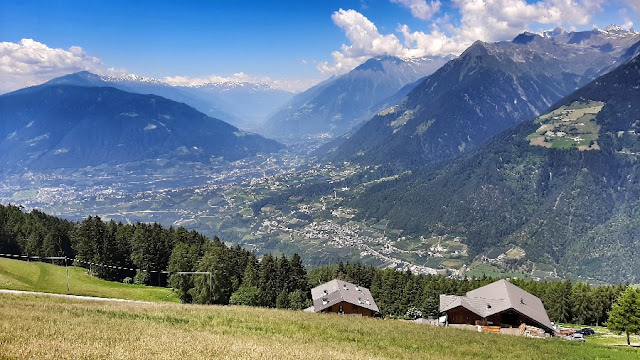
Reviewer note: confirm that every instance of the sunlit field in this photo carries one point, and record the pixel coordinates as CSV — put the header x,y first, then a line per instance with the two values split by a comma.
x,y
42,327
39,276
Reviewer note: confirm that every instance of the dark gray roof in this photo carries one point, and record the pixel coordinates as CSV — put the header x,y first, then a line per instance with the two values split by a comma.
x,y
498,297
336,291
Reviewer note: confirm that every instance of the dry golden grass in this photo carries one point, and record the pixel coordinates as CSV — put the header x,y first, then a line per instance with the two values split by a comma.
x,y
40,327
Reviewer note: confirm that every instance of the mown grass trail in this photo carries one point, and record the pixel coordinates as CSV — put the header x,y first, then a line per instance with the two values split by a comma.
x,y
52,328
39,276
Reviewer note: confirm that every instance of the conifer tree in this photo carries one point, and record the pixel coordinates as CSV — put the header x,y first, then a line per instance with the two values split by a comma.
x,y
582,303
268,283
183,258
625,314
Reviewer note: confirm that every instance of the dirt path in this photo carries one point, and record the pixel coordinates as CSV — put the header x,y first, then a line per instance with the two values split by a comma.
x,y
77,297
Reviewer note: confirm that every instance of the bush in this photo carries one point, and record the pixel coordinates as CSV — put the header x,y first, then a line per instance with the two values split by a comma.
x,y
142,278
246,295
127,280
298,300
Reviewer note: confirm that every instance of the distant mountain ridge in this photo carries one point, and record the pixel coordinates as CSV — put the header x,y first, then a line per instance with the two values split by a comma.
x,y
563,188
338,104
61,124
488,88
242,104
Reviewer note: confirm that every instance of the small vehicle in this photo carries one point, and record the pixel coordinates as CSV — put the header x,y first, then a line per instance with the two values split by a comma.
x,y
586,331
575,337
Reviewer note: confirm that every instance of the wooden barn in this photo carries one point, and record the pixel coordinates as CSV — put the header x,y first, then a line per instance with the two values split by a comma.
x,y
499,304
341,297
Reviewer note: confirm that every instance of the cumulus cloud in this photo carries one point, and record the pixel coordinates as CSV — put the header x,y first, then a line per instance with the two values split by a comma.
x,y
485,20
365,39
281,84
30,62
420,8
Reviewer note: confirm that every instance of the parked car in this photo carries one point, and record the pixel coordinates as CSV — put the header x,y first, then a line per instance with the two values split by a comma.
x,y
586,331
575,337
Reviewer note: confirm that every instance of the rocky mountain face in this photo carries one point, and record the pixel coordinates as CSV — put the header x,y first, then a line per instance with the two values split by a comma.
x,y
563,188
489,88
335,106
61,124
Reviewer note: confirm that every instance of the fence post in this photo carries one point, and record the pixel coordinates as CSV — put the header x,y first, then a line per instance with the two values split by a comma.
x,y
67,268
210,289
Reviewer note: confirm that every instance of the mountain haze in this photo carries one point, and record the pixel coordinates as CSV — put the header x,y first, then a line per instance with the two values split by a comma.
x,y
242,104
338,104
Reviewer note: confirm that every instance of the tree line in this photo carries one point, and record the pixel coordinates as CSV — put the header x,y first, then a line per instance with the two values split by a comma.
x,y
237,275
406,295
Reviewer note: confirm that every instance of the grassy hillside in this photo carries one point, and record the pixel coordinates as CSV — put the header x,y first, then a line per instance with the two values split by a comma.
x,y
38,276
63,328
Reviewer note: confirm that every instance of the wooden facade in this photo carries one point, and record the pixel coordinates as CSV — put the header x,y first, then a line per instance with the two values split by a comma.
x,y
348,309
506,319
499,304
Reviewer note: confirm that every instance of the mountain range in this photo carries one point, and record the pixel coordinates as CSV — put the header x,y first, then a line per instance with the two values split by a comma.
x,y
334,106
488,88
564,188
528,146
63,125
242,104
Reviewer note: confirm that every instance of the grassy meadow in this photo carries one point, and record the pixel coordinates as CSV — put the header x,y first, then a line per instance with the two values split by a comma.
x,y
44,277
43,327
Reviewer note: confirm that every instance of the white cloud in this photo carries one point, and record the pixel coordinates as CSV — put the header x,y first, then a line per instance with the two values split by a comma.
x,y
281,84
30,62
365,41
485,20
627,23
420,8
494,20
634,5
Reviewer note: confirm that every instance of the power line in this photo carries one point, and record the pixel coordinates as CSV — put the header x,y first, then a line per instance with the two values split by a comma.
x,y
114,267
45,258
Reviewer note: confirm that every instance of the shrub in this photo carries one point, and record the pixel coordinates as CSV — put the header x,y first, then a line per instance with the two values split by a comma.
x,y
142,278
246,295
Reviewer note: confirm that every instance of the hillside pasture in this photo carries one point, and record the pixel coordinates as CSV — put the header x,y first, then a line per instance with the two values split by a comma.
x,y
44,277
53,328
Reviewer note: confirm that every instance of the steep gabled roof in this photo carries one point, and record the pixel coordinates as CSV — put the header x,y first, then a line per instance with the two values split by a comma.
x,y
336,291
498,297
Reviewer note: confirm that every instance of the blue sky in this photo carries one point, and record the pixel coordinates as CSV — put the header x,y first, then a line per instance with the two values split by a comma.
x,y
287,40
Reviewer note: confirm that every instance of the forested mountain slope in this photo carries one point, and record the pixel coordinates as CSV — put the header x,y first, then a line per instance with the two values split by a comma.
x,y
489,88
53,126
565,187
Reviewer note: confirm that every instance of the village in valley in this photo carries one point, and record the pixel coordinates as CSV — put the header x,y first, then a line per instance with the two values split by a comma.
x,y
221,200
